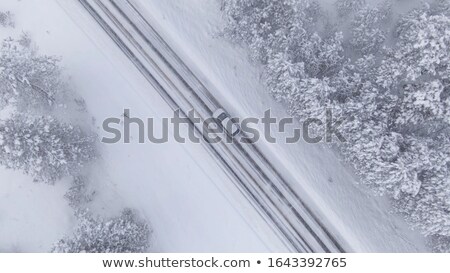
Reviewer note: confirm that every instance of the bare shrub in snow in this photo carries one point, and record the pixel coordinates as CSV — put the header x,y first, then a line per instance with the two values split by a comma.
x,y
25,40
78,194
6,19
44,148
123,234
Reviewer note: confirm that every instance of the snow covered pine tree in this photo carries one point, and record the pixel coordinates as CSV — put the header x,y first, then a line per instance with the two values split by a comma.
x,y
43,147
28,81
123,234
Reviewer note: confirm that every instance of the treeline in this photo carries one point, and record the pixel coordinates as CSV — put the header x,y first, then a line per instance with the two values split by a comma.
x,y
386,74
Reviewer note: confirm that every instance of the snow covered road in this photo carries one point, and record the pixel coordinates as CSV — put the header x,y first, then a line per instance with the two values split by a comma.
x,y
252,172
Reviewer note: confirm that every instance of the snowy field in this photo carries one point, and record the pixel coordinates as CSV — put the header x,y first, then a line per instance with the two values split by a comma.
x,y
32,215
190,202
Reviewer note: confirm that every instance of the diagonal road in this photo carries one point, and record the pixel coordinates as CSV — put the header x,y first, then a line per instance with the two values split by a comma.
x,y
270,193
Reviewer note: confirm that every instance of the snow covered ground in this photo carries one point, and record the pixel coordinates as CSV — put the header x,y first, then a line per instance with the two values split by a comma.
x,y
190,202
32,215
365,221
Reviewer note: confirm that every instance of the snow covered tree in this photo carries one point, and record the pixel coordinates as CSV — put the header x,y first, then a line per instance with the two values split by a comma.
x,y
310,99
422,110
354,85
257,24
418,69
6,19
28,81
417,165
322,57
43,147
283,76
367,34
440,244
265,26
429,207
346,7
442,7
123,234
421,50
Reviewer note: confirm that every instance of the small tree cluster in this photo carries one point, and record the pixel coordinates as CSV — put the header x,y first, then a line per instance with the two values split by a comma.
x,y
284,36
123,234
43,147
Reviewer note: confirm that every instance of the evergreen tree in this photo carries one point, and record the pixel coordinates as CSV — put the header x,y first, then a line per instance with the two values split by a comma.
x,y
43,147
27,80
123,234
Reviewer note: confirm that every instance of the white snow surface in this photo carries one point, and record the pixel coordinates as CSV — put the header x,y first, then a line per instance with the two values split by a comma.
x,y
32,215
191,203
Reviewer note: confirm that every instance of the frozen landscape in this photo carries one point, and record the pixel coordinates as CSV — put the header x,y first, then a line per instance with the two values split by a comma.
x,y
67,66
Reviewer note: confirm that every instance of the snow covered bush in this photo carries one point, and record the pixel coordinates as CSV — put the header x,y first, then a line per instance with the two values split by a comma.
x,y
44,148
25,40
123,234
6,19
394,95
78,194
28,81
346,7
